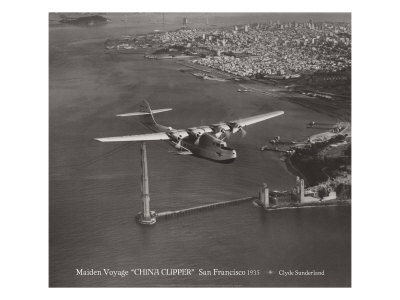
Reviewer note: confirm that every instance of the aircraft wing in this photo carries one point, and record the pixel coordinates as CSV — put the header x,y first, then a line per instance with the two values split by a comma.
x,y
258,118
234,126
158,136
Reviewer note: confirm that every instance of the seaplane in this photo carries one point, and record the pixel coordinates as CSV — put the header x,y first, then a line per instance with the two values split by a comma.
x,y
203,141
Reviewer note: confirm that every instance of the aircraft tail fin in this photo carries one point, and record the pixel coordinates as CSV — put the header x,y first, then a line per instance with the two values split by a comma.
x,y
146,113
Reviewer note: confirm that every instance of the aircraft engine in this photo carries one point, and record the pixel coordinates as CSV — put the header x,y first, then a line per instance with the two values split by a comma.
x,y
218,130
237,128
196,133
177,138
178,145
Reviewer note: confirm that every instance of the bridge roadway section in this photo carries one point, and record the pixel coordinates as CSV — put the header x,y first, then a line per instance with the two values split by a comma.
x,y
180,212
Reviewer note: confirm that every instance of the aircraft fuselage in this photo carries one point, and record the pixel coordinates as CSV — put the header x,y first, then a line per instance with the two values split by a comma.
x,y
208,147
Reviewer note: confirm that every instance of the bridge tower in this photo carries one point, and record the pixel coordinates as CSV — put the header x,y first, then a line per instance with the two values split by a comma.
x,y
264,195
299,189
146,217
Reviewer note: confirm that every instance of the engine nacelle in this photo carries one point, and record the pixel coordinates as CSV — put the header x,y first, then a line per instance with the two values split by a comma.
x,y
196,132
176,136
218,129
235,127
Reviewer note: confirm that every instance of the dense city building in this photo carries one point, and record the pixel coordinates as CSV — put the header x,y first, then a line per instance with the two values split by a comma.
x,y
272,49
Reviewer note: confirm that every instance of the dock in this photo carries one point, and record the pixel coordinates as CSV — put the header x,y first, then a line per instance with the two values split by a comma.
x,y
195,209
207,70
266,148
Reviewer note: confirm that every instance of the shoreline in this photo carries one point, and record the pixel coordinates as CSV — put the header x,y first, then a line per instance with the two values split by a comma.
x,y
322,106
296,172
326,203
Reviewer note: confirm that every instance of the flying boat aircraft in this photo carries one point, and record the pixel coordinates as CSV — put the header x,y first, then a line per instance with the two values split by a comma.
x,y
202,141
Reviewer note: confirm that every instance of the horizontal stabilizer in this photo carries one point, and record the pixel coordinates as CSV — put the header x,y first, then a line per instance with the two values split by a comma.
x,y
140,113
158,136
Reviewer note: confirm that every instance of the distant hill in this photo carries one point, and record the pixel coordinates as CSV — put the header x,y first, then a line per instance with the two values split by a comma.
x,y
84,20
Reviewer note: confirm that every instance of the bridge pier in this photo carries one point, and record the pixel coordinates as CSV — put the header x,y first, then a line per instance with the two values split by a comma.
x,y
145,217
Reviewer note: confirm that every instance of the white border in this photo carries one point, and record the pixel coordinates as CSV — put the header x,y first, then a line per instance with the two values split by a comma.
x,y
24,121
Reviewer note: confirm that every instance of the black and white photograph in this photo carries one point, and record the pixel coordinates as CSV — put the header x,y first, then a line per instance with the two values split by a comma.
x,y
200,149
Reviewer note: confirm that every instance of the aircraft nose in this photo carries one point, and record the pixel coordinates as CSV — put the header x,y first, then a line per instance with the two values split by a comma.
x,y
234,153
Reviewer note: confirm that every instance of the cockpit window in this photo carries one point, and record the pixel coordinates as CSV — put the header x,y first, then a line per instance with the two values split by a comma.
x,y
219,145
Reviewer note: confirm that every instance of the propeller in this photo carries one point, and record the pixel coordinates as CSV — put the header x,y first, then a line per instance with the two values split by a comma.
x,y
219,131
178,145
235,127
175,137
197,134
196,142
228,133
243,132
